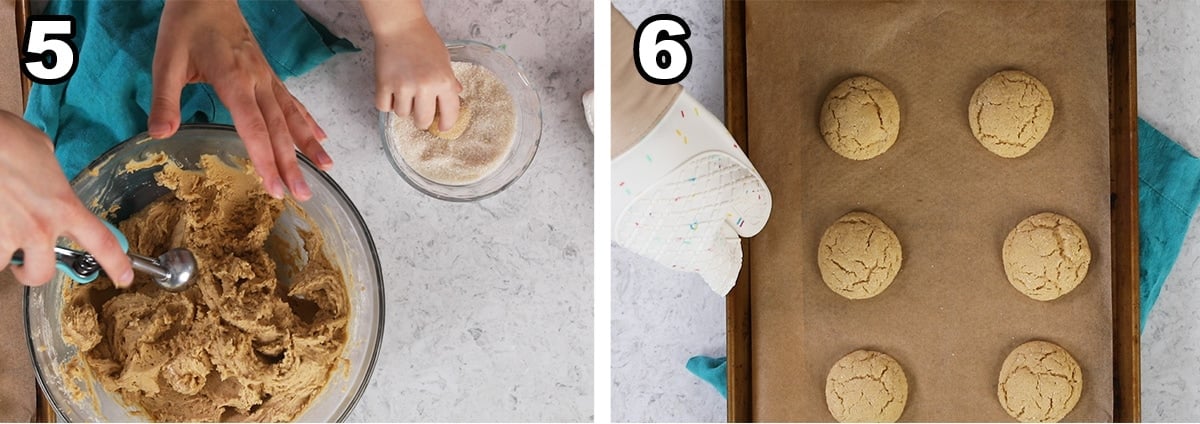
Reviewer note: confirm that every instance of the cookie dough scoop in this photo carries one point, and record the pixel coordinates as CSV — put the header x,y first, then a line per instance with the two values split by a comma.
x,y
172,270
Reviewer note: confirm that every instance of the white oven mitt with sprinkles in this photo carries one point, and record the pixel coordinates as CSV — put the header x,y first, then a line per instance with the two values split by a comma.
x,y
685,194
589,107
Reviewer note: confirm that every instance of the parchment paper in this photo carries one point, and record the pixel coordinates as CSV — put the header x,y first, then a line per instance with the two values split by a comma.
x,y
950,317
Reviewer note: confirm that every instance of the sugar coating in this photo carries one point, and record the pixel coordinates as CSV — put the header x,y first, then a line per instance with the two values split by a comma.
x,y
465,110
859,256
1046,256
860,118
1039,382
866,386
1010,112
483,145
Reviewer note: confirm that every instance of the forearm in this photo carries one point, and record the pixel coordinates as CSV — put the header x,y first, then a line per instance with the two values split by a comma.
x,y
388,17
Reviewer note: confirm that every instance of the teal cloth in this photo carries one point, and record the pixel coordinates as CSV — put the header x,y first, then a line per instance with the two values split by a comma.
x,y
1168,194
108,98
711,370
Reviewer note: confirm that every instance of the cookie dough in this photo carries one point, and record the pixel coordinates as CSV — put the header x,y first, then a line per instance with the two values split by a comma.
x,y
866,386
859,256
1046,256
860,119
1010,113
460,125
490,129
237,344
1039,382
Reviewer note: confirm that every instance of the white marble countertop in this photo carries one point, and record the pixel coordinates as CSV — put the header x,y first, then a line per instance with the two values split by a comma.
x,y
662,317
489,304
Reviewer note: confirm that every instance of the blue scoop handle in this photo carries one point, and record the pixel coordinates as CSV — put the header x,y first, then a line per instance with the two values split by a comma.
x,y
64,258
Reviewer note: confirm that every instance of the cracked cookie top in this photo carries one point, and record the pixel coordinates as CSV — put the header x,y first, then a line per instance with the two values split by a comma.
x,y
1046,256
1010,112
866,386
859,256
860,119
1039,382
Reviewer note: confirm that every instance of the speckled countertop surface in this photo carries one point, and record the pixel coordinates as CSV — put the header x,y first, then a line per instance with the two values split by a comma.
x,y
1168,48
489,304
661,317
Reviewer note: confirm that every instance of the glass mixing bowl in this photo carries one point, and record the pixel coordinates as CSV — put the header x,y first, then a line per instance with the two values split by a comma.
x,y
348,244
528,130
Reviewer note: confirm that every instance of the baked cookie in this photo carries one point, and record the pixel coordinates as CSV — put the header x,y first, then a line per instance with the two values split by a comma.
x,y
859,256
1010,113
866,386
1046,256
460,126
1039,382
861,118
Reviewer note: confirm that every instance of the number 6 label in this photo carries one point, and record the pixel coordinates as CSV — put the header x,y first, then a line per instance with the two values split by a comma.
x,y
660,50
49,55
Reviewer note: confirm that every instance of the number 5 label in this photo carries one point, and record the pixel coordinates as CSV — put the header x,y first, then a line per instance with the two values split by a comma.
x,y
48,54
660,50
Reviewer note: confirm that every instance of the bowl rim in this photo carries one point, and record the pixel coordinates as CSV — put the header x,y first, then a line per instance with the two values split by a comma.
x,y
337,189
416,180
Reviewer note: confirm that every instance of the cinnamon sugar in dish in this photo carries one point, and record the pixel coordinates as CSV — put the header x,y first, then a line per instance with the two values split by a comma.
x,y
481,148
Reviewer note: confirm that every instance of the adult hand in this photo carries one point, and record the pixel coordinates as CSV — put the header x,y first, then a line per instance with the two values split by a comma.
x,y
40,207
412,67
209,41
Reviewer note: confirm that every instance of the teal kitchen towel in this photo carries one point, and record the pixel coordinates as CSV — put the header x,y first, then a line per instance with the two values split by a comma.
x,y
1168,193
107,100
711,370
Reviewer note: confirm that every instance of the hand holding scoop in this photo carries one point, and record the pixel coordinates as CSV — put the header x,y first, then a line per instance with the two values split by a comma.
x,y
172,270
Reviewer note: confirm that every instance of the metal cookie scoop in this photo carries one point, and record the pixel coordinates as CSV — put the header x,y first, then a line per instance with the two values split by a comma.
x,y
172,270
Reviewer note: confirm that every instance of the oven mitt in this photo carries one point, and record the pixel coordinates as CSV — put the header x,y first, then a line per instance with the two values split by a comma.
x,y
589,110
1168,193
108,98
683,192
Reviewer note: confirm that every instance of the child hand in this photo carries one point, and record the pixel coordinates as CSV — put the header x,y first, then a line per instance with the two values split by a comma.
x,y
40,207
413,74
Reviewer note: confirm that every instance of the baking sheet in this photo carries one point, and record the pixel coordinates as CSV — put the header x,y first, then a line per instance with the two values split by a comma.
x,y
950,317
10,77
